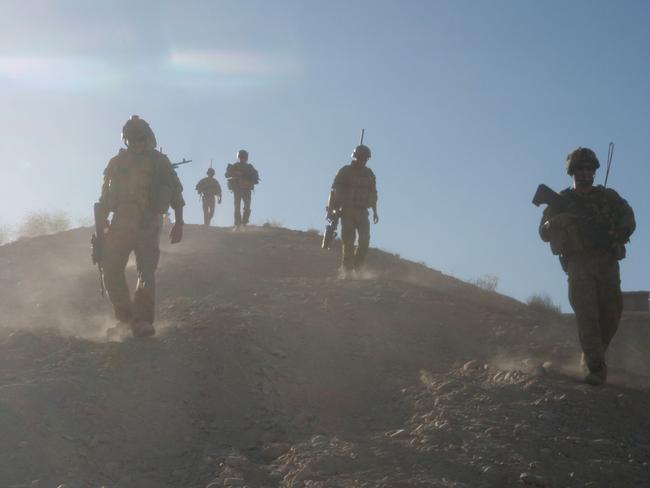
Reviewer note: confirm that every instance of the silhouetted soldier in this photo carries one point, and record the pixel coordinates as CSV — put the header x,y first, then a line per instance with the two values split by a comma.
x,y
140,185
242,178
588,229
210,191
353,192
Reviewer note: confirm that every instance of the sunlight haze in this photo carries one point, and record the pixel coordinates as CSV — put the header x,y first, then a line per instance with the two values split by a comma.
x,y
467,107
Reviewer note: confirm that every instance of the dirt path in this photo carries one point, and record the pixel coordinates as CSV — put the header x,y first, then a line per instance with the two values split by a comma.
x,y
269,371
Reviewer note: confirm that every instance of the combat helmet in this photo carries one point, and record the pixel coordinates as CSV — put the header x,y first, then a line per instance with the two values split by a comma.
x,y
361,152
210,172
582,155
242,153
137,129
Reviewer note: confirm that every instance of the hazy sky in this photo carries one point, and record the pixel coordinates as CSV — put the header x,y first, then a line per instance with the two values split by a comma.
x,y
467,106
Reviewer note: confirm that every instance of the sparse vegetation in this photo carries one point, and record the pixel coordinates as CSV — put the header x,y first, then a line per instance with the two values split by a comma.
x,y
543,303
41,223
5,234
272,223
488,282
314,231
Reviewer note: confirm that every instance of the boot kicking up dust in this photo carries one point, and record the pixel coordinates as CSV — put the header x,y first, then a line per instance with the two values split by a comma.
x,y
588,226
140,185
353,192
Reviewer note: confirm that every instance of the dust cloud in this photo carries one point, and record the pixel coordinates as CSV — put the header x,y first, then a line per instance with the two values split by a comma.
x,y
268,369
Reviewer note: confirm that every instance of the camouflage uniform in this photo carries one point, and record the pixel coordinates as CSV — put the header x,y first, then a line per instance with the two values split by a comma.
x,y
355,191
208,188
242,178
590,242
138,189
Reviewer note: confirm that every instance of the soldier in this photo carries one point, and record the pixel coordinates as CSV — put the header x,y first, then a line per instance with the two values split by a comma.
x,y
353,192
242,178
589,233
140,185
209,188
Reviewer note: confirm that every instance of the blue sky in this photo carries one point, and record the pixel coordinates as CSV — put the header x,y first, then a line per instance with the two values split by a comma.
x,y
467,106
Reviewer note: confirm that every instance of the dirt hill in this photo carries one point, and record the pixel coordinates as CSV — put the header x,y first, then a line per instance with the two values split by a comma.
x,y
269,371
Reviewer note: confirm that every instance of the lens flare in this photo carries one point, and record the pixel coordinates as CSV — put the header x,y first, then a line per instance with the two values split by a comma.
x,y
234,63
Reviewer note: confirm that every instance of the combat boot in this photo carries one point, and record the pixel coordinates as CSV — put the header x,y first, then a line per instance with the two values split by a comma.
x,y
142,329
597,377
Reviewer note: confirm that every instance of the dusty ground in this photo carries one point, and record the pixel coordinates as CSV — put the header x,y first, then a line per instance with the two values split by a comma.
x,y
268,371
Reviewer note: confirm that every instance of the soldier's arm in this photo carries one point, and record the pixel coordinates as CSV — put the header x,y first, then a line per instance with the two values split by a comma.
x,y
103,201
373,196
626,223
544,227
373,191
177,202
337,186
629,223
253,176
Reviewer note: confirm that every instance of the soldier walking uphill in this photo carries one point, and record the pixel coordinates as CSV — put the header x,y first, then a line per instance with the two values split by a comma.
x,y
242,178
353,192
588,227
209,188
140,185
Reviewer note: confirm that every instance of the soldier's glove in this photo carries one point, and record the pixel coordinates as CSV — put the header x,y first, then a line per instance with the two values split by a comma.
x,y
375,217
560,221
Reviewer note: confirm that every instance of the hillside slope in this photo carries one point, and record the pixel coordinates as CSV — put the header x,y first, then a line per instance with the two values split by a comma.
x,y
267,370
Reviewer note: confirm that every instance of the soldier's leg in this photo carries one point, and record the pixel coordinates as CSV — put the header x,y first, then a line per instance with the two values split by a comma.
x,y
583,296
147,255
117,249
210,204
237,207
206,211
610,299
213,204
363,227
348,234
246,196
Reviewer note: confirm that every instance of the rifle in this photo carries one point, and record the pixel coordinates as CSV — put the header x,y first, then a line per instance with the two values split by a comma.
x,y
97,243
184,161
333,217
547,196
596,230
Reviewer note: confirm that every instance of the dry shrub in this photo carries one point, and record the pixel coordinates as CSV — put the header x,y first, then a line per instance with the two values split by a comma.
x,y
272,223
488,282
41,223
541,302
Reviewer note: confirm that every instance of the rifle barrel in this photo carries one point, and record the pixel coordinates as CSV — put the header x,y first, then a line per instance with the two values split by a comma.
x,y
610,154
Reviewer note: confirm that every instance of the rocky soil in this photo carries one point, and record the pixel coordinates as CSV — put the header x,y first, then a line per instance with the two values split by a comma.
x,y
269,371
